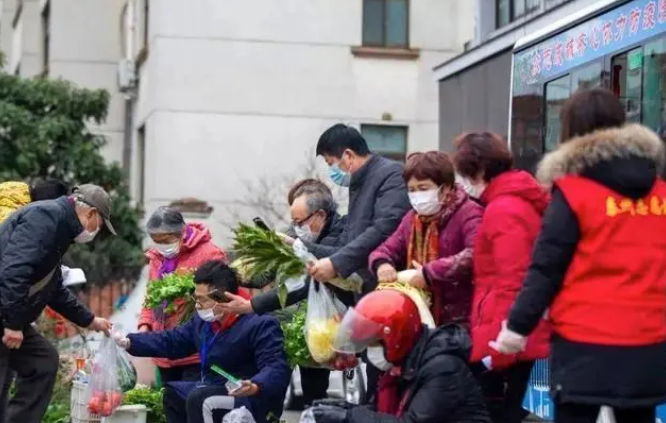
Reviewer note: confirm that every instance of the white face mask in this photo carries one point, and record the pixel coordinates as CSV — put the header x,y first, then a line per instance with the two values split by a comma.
x,y
471,189
85,237
425,203
376,358
304,233
206,314
168,250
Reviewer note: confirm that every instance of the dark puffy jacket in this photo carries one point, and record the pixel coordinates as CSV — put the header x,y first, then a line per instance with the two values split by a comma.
x,y
268,301
377,202
439,385
32,243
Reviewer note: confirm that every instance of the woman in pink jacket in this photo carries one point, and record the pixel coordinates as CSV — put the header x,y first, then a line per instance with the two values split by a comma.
x,y
177,245
436,238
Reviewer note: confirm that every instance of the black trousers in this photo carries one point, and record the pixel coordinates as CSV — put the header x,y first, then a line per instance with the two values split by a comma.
x,y
4,395
583,413
314,383
504,391
36,366
193,409
189,373
372,375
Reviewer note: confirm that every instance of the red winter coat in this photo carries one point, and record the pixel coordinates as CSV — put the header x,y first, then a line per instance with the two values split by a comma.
x,y
449,277
195,251
512,220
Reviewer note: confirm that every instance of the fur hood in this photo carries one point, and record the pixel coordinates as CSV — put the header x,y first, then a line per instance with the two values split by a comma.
x,y
584,152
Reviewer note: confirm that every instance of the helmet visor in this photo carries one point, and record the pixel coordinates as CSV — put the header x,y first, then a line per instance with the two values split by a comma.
x,y
356,333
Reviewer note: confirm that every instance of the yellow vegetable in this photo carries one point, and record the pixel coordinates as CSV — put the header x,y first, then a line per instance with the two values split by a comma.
x,y
420,297
320,335
13,195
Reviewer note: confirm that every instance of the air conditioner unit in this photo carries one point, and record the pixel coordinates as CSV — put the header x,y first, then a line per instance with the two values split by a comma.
x,y
127,78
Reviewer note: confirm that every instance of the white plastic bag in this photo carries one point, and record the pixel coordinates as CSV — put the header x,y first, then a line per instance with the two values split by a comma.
x,y
353,283
238,415
606,415
307,416
322,322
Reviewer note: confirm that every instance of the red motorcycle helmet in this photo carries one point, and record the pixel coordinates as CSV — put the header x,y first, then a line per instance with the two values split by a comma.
x,y
388,317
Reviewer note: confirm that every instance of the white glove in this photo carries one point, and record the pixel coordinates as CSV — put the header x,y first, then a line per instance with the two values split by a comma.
x,y
121,340
508,342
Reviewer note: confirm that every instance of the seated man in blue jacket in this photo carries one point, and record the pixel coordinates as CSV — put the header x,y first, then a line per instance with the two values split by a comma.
x,y
248,347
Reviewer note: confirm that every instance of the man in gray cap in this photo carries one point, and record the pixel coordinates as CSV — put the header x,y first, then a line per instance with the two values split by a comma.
x,y
32,242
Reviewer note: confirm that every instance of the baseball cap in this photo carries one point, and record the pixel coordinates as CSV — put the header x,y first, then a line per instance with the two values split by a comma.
x,y
96,197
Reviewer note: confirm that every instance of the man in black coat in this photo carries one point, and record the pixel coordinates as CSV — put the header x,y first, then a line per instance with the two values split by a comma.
x,y
314,219
32,243
378,201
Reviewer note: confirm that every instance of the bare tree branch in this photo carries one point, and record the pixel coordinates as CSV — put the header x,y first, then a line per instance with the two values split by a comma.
x,y
266,196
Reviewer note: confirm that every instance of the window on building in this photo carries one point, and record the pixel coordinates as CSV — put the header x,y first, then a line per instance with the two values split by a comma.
x,y
557,92
587,77
626,81
654,85
387,141
386,23
507,11
141,164
46,36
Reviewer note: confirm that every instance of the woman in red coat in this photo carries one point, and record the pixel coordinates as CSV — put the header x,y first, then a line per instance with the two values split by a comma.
x,y
177,246
515,204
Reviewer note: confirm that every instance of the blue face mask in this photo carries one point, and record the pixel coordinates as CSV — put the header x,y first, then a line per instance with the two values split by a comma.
x,y
338,176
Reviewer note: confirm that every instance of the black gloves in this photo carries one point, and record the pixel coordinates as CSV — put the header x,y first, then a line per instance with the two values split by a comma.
x,y
329,414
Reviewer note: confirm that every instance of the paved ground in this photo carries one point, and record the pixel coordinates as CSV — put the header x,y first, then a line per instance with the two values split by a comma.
x,y
293,417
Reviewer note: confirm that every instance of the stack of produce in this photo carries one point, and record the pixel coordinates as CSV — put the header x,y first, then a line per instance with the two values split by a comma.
x,y
174,292
420,297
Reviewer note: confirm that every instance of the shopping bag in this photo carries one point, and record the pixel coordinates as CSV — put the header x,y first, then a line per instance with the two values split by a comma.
x,y
353,283
606,415
322,321
126,371
308,416
238,415
106,392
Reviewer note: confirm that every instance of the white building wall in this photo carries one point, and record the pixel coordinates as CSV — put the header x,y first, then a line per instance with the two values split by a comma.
x,y
239,90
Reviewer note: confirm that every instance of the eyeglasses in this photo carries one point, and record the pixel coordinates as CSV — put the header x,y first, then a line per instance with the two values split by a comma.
x,y
199,301
304,221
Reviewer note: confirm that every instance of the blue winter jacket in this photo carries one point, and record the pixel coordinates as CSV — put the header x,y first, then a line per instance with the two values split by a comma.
x,y
251,349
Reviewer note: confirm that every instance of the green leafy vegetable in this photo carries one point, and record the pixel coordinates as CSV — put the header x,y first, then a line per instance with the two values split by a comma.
x,y
151,398
172,291
295,346
261,252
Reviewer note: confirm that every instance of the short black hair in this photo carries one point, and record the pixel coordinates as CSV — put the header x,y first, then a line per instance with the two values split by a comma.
x,y
338,138
219,276
48,189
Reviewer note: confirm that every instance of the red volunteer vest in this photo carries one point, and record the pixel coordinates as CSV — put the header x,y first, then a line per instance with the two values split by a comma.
x,y
614,292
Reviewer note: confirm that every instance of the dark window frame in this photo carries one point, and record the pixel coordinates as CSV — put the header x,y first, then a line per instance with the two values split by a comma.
x,y
384,43
400,157
141,165
512,12
46,36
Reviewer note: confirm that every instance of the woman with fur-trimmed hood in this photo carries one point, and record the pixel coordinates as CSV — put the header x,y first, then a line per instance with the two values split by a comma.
x,y
599,266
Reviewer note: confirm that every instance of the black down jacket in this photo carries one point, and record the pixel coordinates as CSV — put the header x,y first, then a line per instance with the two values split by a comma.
x,y
268,302
32,242
438,382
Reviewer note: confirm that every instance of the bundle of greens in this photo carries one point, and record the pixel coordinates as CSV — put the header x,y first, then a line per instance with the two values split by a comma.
x,y
295,346
173,292
151,398
260,252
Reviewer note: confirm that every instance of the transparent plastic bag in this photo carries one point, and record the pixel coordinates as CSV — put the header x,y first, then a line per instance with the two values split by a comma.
x,y
238,415
353,283
106,393
308,416
322,321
